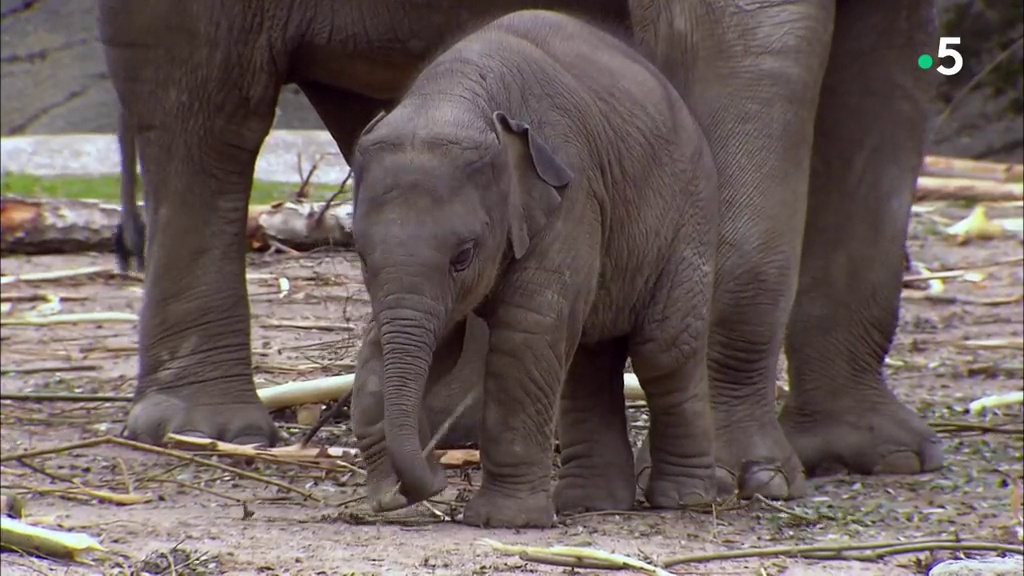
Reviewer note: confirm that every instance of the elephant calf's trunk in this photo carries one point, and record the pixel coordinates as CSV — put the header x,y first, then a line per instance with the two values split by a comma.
x,y
408,347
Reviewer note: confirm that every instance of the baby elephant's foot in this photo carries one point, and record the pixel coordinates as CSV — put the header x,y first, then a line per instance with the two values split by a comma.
x,y
493,509
863,436
594,493
156,414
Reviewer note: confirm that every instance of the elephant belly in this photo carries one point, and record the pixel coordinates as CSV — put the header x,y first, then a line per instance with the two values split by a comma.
x,y
376,48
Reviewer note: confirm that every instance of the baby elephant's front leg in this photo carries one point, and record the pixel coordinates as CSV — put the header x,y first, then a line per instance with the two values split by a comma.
x,y
525,367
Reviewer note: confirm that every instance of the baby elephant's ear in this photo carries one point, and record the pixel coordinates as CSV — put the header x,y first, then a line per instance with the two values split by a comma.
x,y
537,176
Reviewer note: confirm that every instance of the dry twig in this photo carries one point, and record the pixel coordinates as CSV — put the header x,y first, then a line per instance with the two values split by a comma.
x,y
56,274
574,557
160,451
847,551
80,318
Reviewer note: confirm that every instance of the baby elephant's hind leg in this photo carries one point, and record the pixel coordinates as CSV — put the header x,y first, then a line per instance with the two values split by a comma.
x,y
596,458
681,436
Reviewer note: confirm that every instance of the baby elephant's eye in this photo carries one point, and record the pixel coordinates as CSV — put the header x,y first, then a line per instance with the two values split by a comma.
x,y
464,257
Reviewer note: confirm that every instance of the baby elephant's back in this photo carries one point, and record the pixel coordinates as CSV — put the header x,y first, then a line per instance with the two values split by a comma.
x,y
605,95
592,61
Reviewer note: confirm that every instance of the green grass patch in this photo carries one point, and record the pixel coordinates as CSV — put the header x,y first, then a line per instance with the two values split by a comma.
x,y
107,188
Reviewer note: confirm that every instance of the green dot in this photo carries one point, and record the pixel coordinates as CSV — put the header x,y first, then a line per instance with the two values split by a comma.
x,y
925,61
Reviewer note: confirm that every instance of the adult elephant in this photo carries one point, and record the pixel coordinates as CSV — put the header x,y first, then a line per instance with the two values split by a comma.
x,y
815,111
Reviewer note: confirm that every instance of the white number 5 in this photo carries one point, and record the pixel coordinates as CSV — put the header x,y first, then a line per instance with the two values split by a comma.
x,y
944,50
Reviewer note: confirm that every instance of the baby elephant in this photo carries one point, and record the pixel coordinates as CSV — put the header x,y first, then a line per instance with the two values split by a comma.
x,y
543,176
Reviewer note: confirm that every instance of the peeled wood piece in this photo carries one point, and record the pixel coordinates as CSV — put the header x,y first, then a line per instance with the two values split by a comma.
x,y
947,167
56,225
306,391
932,188
334,387
302,225
23,537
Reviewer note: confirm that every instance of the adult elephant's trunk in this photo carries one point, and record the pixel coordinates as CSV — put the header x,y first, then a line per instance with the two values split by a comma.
x,y
409,328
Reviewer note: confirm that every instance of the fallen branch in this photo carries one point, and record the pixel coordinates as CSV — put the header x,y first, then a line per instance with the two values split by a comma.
x,y
37,296
102,495
995,344
298,325
333,458
302,225
574,557
50,368
997,401
909,294
64,397
961,272
852,551
56,274
966,168
162,452
942,427
36,540
81,318
932,188
306,391
56,225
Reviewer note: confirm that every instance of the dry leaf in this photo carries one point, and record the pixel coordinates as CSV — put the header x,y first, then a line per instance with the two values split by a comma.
x,y
976,226
458,458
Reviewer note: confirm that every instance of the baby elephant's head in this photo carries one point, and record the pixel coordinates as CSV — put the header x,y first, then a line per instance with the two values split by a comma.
x,y
440,208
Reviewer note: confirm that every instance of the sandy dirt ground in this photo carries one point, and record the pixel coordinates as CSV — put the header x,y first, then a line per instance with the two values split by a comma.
x,y
205,521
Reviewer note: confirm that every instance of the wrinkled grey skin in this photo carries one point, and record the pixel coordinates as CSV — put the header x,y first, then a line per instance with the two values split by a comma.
x,y
822,152
457,368
544,175
130,234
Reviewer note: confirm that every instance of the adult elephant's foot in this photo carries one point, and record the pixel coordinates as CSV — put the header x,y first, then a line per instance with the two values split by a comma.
x,y
861,436
597,492
156,414
757,460
679,492
492,509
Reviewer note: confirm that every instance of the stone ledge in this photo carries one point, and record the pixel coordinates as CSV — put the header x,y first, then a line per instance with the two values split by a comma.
x,y
98,154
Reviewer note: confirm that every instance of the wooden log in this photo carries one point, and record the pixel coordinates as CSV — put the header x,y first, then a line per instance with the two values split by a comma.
x,y
49,225
947,167
56,225
932,188
303,225
64,225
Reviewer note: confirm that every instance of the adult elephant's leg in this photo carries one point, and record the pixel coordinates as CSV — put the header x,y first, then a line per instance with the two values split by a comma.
x,y
596,470
751,75
344,113
868,150
200,120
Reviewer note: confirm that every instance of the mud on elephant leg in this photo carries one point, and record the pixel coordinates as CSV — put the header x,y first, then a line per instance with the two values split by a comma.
x,y
195,370
868,149
676,465
596,470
